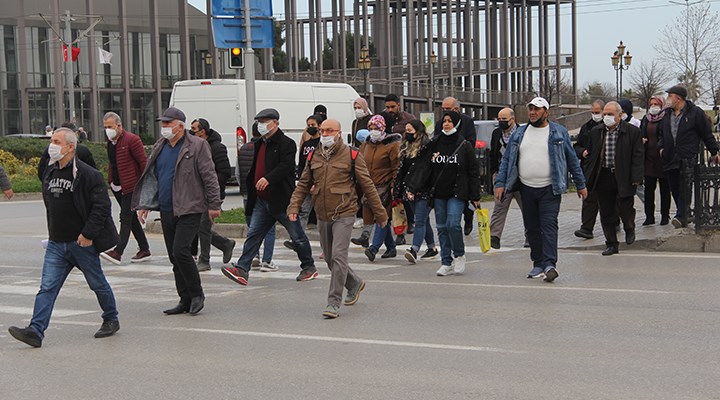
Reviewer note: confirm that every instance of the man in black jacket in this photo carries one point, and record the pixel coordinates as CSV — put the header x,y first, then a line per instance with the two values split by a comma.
x,y
589,212
206,235
615,166
80,226
271,182
679,140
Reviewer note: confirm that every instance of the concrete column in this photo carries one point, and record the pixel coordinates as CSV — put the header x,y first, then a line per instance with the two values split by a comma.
x,y
155,56
185,55
411,42
21,52
320,36
55,48
92,55
450,51
574,48
124,62
488,55
312,41
558,75
343,41
523,46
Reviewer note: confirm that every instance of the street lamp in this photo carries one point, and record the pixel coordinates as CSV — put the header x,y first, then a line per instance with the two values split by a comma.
x,y
621,60
364,64
433,60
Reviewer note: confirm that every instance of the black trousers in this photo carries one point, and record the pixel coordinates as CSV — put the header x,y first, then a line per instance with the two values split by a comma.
x,y
589,211
129,222
178,233
613,207
651,183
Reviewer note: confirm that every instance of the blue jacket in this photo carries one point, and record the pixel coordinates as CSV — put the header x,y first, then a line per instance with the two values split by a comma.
x,y
562,159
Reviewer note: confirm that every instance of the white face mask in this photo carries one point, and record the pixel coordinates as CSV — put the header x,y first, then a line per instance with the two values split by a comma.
x,y
450,132
167,132
359,113
670,103
597,117
110,133
54,151
263,127
654,110
327,141
609,121
375,134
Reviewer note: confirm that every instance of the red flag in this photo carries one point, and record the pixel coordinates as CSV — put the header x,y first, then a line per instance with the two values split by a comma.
x,y
75,53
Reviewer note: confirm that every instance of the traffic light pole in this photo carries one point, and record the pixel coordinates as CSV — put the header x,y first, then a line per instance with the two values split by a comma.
x,y
249,69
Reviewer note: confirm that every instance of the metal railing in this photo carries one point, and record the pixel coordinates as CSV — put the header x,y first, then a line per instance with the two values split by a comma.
x,y
703,177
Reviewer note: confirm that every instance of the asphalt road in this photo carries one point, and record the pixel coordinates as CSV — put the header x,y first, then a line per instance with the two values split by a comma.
x,y
638,325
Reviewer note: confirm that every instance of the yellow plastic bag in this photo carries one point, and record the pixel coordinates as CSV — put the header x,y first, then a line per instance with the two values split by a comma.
x,y
483,217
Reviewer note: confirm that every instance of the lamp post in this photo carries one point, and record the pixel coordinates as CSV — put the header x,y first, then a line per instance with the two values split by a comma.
x,y
433,60
364,64
621,60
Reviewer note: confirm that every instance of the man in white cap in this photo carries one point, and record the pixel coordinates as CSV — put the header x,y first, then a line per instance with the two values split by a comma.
x,y
536,162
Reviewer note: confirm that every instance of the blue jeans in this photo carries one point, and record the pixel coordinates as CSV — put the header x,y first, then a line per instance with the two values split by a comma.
x,y
268,242
60,259
423,230
262,221
383,235
540,208
448,214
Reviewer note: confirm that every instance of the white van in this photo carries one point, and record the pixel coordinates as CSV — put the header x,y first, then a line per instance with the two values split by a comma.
x,y
222,103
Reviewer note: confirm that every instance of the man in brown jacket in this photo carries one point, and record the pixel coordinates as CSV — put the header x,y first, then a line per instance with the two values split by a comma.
x,y
330,175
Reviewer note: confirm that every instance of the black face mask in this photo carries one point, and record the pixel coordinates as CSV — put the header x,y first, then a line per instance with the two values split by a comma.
x,y
410,137
504,125
540,121
312,130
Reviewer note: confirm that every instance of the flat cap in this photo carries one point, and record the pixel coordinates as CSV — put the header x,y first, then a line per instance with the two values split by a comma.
x,y
539,102
678,90
268,113
172,114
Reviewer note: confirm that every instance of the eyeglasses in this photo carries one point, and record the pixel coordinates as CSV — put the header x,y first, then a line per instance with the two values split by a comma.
x,y
328,130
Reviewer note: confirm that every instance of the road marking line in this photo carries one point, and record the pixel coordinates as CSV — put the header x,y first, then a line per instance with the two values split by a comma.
x,y
56,312
542,287
648,254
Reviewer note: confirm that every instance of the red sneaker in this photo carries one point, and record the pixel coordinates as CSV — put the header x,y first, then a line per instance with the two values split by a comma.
x,y
235,274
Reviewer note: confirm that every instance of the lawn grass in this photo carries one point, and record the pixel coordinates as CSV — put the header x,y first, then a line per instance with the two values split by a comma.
x,y
231,216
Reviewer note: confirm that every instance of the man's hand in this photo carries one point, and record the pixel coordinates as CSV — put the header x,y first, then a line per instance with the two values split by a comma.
x,y
715,159
292,217
499,193
212,214
9,193
585,154
383,224
582,193
645,140
262,184
142,215
82,241
410,196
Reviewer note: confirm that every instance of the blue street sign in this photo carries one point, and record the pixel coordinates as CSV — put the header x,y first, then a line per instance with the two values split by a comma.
x,y
230,32
235,8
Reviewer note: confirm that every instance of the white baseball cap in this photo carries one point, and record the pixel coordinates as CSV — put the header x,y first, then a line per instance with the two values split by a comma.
x,y
539,102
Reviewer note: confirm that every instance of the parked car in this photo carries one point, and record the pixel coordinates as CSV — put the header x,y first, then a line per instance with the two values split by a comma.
x,y
483,136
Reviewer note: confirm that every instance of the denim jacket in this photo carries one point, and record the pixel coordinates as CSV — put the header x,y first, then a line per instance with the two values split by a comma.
x,y
562,160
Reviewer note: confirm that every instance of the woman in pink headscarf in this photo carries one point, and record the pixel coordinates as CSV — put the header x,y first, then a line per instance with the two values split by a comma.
x,y
654,173
362,117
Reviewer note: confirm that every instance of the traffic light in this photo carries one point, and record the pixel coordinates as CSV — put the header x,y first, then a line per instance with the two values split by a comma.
x,y
236,58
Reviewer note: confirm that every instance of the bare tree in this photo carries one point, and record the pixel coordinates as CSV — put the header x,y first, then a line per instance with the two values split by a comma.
x,y
549,90
597,90
648,80
713,80
699,42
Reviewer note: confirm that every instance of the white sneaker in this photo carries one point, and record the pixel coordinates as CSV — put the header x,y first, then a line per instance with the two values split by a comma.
x,y
459,265
268,267
445,270
358,224
255,265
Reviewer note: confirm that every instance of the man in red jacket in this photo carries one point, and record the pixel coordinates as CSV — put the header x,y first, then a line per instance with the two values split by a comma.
x,y
126,162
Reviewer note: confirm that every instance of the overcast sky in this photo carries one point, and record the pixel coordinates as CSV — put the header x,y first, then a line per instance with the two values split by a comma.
x,y
601,25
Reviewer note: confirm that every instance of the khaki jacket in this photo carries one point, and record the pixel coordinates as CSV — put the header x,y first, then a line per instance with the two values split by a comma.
x,y
334,195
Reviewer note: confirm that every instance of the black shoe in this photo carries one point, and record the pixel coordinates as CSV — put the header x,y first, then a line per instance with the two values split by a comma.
x,y
526,244
370,253
196,304
494,242
26,335
584,233
665,220
649,221
400,240
389,254
430,254
411,229
180,308
411,256
108,328
363,240
630,237
290,245
610,251
228,252
468,228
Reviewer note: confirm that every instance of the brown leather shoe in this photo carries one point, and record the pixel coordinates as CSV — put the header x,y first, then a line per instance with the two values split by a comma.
x,y
142,255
